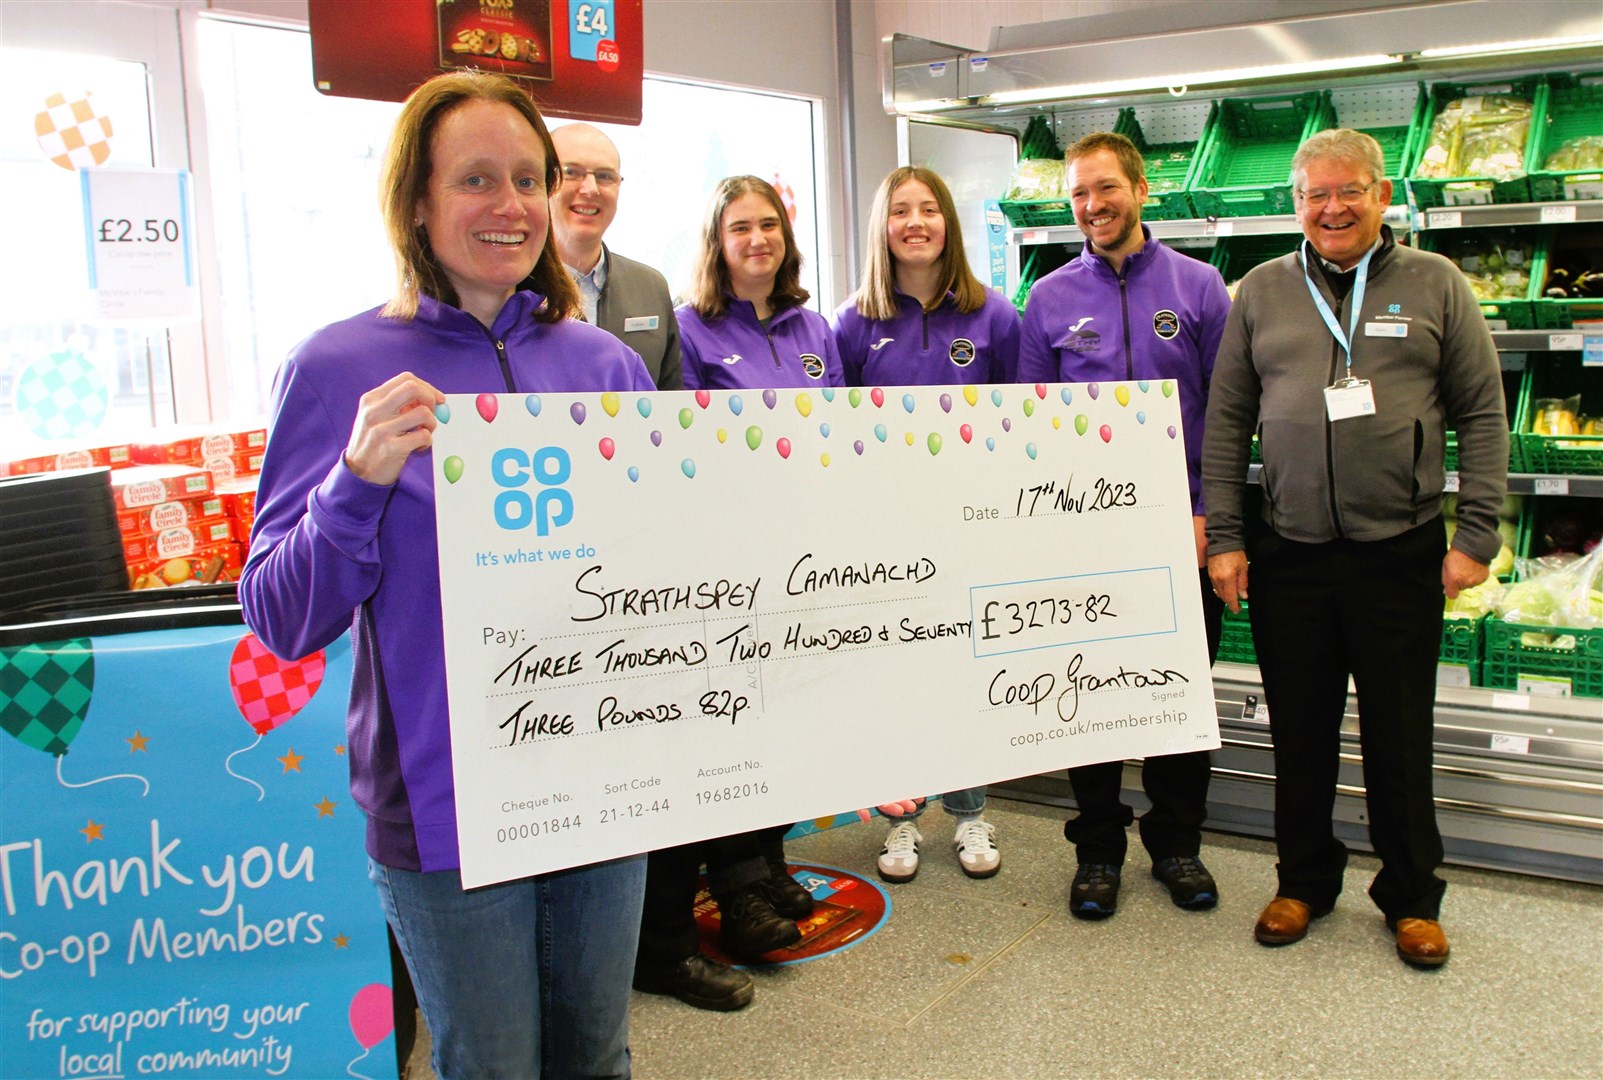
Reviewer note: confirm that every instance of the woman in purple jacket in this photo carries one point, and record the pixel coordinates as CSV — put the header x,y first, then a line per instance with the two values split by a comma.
x,y
745,326
922,318
528,977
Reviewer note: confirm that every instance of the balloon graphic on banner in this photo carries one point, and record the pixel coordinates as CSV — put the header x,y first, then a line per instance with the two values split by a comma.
x,y
372,1019
71,133
62,396
45,691
269,691
787,197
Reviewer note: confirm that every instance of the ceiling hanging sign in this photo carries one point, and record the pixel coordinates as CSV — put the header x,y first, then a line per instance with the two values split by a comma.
x,y
140,244
579,59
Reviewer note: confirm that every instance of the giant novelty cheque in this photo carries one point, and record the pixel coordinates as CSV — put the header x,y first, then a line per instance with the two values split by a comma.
x,y
671,616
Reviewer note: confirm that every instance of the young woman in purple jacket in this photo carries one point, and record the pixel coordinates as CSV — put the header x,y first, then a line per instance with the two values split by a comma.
x,y
922,318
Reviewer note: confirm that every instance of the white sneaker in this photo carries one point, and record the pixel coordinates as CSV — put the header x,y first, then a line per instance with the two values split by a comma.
x,y
898,859
976,854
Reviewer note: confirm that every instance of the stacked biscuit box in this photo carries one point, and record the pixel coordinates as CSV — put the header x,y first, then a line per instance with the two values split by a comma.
x,y
115,456
185,504
186,508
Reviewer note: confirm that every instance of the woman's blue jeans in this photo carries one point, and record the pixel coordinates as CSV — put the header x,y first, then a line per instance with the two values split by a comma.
x,y
965,802
526,979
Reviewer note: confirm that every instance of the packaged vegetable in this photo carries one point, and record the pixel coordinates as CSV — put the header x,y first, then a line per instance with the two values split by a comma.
x,y
1482,135
1036,178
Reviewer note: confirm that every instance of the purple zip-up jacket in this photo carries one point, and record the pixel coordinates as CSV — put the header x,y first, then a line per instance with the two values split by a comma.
x,y
734,352
919,348
332,552
1162,319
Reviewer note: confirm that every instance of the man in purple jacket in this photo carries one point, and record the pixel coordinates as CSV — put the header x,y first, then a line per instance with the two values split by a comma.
x,y
1128,308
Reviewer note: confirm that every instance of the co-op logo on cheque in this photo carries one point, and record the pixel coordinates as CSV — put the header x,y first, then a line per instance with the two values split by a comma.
x,y
547,505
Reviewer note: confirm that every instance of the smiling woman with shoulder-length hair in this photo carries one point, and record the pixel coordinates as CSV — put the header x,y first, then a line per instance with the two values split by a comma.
x,y
745,326
527,976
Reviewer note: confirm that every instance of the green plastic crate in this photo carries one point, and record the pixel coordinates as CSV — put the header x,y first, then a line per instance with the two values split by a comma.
x,y
1388,114
1561,375
1574,109
1516,456
1048,138
1172,139
1235,255
1574,661
1475,190
1246,168
1037,213
1507,314
1571,245
1235,638
1461,645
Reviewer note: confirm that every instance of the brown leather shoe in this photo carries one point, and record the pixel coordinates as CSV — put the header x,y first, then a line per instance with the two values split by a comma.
x,y
1282,922
1421,942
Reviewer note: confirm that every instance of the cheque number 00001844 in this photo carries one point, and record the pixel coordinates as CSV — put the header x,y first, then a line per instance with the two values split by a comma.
x,y
531,830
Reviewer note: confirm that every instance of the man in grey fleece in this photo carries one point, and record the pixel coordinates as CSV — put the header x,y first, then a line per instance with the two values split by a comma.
x,y
1351,358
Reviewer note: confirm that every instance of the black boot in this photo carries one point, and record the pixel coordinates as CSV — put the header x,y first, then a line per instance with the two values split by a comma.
x,y
785,892
700,981
752,927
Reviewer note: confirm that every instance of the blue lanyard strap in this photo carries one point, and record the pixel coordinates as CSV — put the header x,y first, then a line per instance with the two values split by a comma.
x,y
1359,283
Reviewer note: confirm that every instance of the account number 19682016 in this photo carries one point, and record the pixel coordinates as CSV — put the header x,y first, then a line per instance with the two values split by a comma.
x,y
731,792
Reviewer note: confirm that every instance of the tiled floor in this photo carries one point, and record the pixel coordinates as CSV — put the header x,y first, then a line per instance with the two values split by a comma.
x,y
995,979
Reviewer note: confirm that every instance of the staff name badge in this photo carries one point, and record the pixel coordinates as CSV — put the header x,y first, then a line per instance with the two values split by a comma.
x,y
1349,398
1385,329
830,626
639,322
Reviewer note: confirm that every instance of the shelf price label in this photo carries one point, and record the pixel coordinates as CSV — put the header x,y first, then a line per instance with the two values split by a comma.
x,y
1552,485
140,244
1558,215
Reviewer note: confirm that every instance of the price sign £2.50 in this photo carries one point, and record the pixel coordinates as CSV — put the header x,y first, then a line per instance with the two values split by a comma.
x,y
140,243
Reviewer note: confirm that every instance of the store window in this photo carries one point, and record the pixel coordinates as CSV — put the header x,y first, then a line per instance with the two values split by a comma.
x,y
65,377
294,184
691,136
294,181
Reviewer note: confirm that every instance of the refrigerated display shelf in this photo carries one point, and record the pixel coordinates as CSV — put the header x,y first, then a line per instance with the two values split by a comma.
x,y
1515,789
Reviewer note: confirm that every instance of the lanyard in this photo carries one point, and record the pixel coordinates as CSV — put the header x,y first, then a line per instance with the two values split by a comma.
x,y
1345,340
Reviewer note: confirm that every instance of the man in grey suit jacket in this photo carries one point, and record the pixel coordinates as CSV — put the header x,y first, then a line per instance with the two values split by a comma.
x,y
627,299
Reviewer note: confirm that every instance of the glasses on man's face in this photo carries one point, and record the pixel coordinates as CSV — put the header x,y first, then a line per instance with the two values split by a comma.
x,y
1350,195
575,174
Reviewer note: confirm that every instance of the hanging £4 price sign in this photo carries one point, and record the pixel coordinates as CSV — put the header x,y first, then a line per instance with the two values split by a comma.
x,y
140,244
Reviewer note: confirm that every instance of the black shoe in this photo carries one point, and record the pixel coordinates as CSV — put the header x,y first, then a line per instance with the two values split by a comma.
x,y
1189,883
785,892
752,927
699,981
1094,892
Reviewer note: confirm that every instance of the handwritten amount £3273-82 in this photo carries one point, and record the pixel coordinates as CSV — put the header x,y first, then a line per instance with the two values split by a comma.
x,y
1020,618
